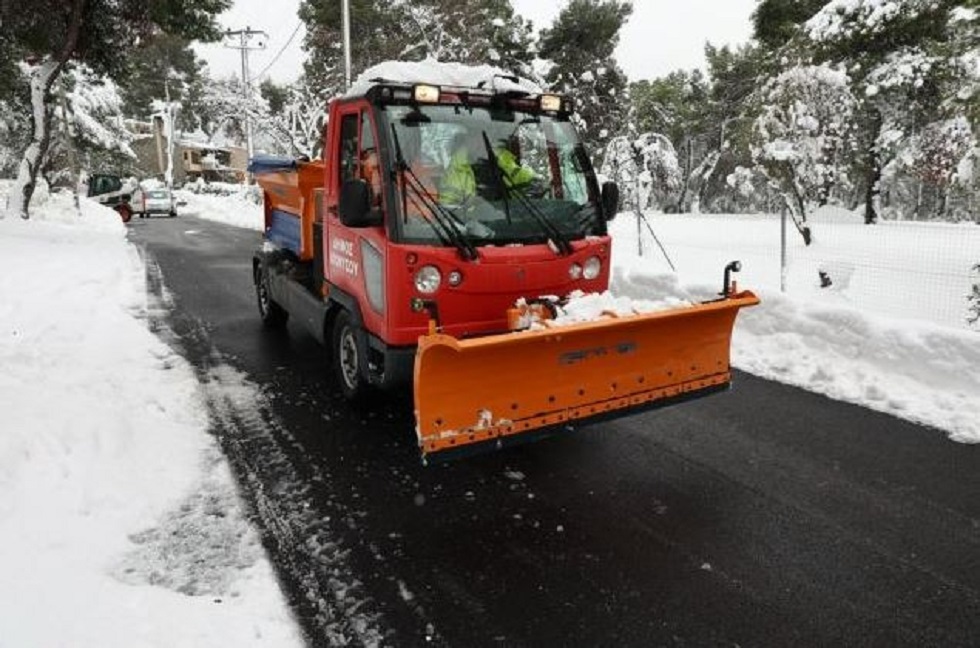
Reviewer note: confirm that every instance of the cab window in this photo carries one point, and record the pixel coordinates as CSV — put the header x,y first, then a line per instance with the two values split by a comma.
x,y
348,148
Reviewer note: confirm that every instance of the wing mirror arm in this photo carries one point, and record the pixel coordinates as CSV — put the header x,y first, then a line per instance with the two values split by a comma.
x,y
609,200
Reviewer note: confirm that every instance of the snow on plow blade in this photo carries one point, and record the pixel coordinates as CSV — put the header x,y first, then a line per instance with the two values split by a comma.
x,y
495,389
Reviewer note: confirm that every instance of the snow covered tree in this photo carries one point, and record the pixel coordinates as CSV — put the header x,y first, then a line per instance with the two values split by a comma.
x,y
645,168
678,105
88,129
734,74
802,136
221,109
53,34
902,58
775,22
296,118
476,32
973,300
580,46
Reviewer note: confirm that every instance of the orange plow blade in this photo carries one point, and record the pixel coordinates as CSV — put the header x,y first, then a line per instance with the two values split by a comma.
x,y
494,389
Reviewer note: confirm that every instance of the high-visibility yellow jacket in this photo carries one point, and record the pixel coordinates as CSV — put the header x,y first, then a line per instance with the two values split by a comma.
x,y
459,183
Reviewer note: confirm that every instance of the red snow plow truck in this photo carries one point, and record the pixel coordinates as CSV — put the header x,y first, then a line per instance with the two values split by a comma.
x,y
432,247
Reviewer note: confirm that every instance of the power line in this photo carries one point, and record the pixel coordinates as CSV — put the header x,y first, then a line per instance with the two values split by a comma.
x,y
279,53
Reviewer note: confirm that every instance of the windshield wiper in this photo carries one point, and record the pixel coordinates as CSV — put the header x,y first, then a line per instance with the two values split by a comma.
x,y
556,235
442,221
498,173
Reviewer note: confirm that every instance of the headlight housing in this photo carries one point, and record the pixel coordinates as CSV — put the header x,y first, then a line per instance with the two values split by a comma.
x,y
428,279
592,268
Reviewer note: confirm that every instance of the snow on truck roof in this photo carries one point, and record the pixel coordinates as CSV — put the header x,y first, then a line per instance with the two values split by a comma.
x,y
433,72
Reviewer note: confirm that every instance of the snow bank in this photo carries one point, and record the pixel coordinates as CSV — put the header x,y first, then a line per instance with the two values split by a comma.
x,y
236,205
113,498
436,73
919,371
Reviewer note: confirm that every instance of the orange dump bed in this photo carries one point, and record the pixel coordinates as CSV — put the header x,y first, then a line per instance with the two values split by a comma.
x,y
291,195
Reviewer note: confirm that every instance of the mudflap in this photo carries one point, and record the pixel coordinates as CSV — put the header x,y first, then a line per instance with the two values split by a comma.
x,y
493,390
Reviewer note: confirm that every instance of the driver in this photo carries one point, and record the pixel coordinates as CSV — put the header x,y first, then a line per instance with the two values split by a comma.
x,y
469,159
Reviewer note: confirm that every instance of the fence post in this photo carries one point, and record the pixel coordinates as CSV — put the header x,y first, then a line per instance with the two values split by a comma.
x,y
782,251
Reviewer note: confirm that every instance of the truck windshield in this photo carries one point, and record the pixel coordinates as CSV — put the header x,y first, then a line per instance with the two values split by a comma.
x,y
496,176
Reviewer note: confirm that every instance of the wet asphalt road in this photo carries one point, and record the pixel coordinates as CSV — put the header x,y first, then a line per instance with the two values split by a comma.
x,y
765,516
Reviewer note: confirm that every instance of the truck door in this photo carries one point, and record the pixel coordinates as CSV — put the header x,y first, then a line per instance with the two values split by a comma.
x,y
356,257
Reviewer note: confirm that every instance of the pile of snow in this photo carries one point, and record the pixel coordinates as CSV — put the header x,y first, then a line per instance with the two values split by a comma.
x,y
434,72
120,522
632,297
917,371
231,204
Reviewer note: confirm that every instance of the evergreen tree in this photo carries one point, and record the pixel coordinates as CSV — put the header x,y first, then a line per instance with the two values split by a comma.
x,y
734,74
802,138
775,22
275,95
88,128
54,34
477,32
677,105
160,65
580,46
904,72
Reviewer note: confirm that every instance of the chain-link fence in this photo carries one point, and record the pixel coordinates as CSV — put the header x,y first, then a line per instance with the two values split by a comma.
x,y
917,270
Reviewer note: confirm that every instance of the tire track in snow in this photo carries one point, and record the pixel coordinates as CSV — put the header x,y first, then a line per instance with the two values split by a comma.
x,y
276,485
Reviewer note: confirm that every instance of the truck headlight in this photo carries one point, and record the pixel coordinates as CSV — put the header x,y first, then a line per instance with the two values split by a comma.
x,y
591,268
428,279
575,272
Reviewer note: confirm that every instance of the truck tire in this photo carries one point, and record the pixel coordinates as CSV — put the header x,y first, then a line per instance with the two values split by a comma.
x,y
347,360
273,315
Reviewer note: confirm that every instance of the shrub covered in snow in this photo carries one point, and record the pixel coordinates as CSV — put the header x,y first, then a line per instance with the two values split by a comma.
x,y
973,316
645,168
802,136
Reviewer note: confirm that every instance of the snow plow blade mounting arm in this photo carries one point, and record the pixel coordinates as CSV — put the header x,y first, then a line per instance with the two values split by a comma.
x,y
500,388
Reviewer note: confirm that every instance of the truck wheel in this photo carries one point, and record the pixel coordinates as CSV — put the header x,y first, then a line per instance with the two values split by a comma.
x,y
347,360
124,212
273,315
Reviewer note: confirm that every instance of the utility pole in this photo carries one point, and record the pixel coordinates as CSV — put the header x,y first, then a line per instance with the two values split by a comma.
x,y
345,19
169,120
242,40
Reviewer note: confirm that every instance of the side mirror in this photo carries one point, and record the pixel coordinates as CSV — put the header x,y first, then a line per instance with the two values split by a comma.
x,y
355,205
610,199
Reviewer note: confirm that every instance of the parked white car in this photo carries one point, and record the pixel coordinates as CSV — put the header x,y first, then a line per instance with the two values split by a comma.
x,y
158,200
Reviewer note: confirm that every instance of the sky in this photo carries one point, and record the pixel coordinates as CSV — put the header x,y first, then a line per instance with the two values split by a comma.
x,y
661,35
